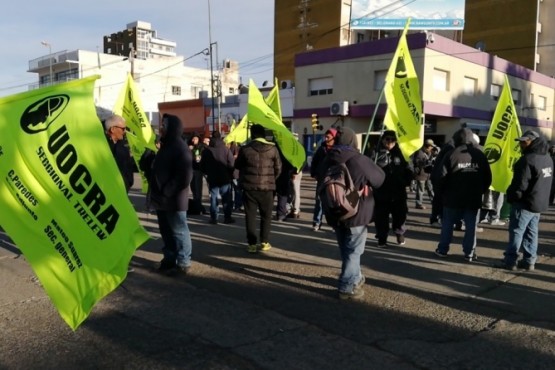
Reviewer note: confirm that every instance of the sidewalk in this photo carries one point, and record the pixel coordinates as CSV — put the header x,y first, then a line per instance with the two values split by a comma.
x,y
278,310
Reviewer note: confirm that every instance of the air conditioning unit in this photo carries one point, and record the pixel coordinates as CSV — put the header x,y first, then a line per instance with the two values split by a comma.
x,y
286,84
339,108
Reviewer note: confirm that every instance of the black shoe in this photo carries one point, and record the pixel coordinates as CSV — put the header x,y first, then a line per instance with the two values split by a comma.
x,y
213,221
523,265
229,220
166,269
440,253
420,206
400,239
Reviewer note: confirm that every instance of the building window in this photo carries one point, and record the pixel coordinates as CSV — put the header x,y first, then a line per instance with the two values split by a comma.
x,y
176,90
516,96
495,91
541,102
469,86
320,86
440,80
379,79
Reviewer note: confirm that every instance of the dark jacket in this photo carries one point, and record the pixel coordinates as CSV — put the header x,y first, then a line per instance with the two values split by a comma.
x,y
172,170
217,163
259,165
283,181
122,155
398,174
363,172
422,163
532,179
317,159
465,173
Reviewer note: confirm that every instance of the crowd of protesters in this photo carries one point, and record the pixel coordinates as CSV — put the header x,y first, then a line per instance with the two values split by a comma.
x,y
256,178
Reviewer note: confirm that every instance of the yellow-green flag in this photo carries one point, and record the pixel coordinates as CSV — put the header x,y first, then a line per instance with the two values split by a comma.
x,y
62,198
500,147
260,112
240,132
129,106
404,105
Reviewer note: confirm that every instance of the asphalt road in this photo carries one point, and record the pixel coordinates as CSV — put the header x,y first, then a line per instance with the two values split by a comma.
x,y
279,309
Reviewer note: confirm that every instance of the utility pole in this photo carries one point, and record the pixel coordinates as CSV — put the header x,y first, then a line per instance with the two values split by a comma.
x,y
47,44
211,65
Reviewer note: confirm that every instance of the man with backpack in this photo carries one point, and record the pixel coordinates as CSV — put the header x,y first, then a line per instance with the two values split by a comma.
x,y
351,232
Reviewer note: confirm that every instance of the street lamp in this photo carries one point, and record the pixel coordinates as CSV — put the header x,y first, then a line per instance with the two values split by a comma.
x,y
47,44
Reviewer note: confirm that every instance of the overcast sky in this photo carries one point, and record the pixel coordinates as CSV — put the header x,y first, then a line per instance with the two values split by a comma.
x,y
243,30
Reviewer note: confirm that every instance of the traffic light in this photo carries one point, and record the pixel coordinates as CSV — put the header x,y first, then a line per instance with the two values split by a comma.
x,y
315,122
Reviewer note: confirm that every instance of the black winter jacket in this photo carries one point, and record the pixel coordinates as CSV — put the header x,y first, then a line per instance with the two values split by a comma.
x,y
217,163
317,159
172,171
532,179
122,156
363,172
259,165
465,174
398,174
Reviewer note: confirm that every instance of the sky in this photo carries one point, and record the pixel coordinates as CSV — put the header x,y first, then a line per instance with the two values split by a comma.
x,y
242,29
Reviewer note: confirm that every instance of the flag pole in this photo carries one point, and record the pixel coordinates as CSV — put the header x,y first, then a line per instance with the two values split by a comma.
x,y
373,117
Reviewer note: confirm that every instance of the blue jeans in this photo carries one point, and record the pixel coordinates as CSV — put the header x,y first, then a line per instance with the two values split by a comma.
x,y
351,243
176,236
225,191
523,235
317,216
451,216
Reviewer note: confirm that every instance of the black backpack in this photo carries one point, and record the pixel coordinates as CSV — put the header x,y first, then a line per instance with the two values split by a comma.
x,y
338,194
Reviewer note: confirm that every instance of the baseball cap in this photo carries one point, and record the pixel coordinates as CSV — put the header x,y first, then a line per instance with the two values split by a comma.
x,y
429,142
528,135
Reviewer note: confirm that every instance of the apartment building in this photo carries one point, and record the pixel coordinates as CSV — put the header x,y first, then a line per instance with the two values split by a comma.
x,y
459,85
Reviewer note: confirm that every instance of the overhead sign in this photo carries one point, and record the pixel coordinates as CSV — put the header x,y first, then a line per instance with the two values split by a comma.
x,y
393,14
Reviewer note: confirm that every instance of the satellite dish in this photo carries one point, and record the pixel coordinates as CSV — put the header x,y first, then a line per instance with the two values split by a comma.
x,y
480,45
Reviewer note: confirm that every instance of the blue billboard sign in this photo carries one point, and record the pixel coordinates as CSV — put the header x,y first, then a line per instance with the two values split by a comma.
x,y
393,14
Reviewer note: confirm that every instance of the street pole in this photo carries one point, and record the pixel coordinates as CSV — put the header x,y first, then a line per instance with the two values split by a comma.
x,y
211,66
47,44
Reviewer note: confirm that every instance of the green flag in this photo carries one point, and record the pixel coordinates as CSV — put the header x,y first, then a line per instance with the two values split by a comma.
x,y
260,112
500,147
240,133
141,135
62,198
404,105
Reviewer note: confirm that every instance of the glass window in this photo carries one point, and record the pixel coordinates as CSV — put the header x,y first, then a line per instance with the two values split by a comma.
x,y
440,80
495,91
469,86
516,96
320,86
176,90
541,102
379,80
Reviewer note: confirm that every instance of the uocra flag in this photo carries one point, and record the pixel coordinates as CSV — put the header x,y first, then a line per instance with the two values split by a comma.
x,y
141,135
500,147
261,113
62,197
240,132
404,105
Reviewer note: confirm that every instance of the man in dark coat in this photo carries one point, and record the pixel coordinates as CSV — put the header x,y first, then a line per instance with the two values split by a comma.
x,y
528,195
464,178
217,164
114,127
317,159
259,166
172,173
391,198
351,234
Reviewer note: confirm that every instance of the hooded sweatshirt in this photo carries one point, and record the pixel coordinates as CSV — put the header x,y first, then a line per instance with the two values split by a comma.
x,y
465,173
363,172
532,179
172,169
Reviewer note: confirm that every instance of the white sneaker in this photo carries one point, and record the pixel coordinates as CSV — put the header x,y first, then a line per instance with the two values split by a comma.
x,y
497,223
